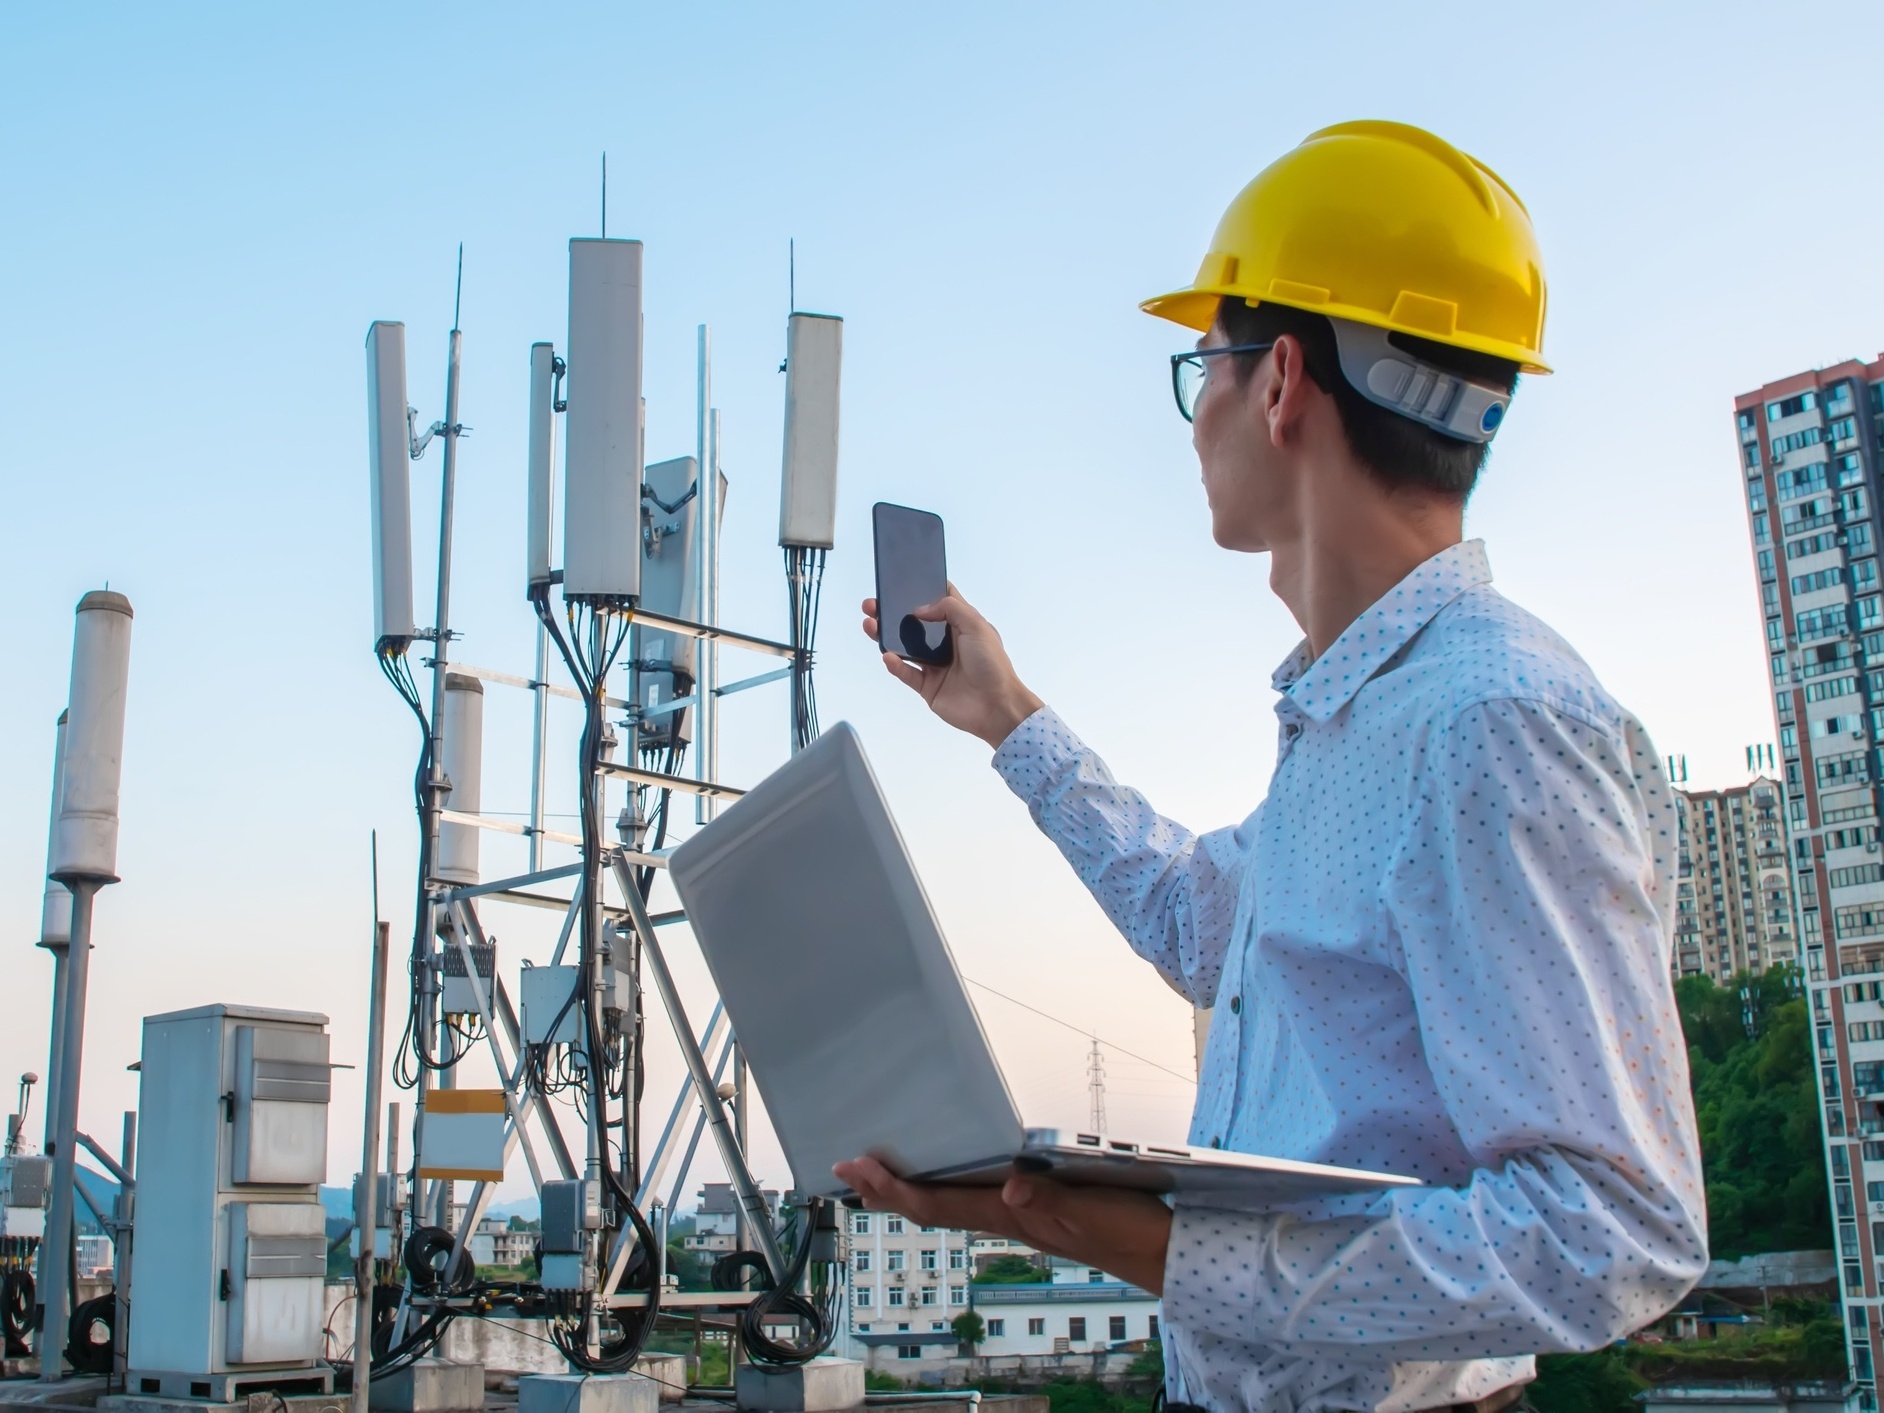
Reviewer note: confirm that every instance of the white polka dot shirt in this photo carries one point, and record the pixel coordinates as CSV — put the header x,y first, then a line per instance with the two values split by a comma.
x,y
1438,948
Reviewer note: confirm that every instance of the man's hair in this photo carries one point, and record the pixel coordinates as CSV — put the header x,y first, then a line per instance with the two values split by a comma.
x,y
1398,451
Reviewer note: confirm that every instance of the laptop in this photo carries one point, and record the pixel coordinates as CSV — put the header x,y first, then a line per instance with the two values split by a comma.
x,y
854,1020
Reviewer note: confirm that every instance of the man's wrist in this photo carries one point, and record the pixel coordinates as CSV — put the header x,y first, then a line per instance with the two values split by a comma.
x,y
1023,705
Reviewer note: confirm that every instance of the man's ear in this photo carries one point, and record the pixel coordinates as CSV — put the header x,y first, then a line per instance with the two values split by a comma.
x,y
1289,390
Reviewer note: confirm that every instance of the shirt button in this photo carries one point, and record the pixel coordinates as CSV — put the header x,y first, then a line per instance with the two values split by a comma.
x,y
1292,730
1217,1142
1236,1005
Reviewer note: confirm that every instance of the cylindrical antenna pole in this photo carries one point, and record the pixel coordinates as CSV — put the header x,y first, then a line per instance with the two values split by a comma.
x,y
84,858
539,745
704,708
436,788
55,935
710,651
366,1200
55,1263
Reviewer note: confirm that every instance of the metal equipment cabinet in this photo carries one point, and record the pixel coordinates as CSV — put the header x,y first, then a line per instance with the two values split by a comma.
x,y
228,1226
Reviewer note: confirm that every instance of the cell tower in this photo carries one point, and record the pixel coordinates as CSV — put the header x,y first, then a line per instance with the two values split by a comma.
x,y
1096,1086
637,631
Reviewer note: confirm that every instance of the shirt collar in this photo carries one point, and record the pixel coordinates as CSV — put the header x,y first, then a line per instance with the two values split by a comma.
x,y
1322,686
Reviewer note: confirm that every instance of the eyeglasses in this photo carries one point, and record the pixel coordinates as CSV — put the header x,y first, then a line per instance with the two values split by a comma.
x,y
1189,372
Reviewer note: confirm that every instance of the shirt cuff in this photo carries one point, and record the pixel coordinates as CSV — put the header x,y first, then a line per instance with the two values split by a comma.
x,y
1035,752
1210,1270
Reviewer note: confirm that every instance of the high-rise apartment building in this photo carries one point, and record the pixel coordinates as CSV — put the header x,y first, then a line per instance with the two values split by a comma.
x,y
1734,906
1810,464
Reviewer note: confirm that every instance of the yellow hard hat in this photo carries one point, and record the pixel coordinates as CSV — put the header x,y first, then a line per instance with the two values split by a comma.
x,y
1384,224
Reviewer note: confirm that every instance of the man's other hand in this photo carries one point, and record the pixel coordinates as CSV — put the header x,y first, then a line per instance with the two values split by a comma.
x,y
979,692
1122,1233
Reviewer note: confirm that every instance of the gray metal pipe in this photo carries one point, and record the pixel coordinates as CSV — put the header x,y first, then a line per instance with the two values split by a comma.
x,y
56,1263
366,1198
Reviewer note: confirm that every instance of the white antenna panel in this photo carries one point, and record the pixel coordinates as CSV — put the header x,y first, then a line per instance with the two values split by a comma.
x,y
464,770
540,515
389,458
55,909
814,354
602,469
670,584
91,759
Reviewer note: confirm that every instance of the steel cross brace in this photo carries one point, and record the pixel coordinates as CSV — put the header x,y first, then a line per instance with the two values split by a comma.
x,y
750,1198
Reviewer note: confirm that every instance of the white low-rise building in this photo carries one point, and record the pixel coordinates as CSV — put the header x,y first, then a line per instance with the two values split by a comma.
x,y
1080,1310
716,1221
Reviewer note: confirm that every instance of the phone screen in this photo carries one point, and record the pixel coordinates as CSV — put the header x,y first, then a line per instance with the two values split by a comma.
x,y
912,570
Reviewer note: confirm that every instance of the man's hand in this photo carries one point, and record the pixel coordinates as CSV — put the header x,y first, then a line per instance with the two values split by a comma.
x,y
979,692
1122,1233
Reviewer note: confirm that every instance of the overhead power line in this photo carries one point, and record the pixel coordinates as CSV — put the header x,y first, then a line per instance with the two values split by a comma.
x,y
1080,1030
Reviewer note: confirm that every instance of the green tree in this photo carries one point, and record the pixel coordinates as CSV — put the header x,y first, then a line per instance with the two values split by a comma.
x,y
1009,1270
1601,1382
968,1328
1756,1101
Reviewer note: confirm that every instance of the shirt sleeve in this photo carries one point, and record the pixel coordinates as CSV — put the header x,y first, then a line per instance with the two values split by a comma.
x,y
1171,893
1529,899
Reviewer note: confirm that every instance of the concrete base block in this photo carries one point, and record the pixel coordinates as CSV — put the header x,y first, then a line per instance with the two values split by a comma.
x,y
430,1386
824,1385
587,1393
248,1403
75,1389
668,1373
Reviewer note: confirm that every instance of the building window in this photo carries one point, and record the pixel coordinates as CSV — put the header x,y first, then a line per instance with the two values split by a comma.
x,y
896,1260
895,1294
928,1295
863,1297
909,1351
863,1261
958,1295
1037,1325
996,1328
1115,1327
928,1260
860,1223
1095,1276
1854,1277
956,1255
893,1225
1874,1153
1792,406
1154,1327
1076,1328
935,1325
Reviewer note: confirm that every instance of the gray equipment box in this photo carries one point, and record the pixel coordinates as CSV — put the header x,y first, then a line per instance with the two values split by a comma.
x,y
550,1017
229,1229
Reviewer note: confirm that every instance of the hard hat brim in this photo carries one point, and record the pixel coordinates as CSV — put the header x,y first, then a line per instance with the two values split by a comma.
x,y
1196,308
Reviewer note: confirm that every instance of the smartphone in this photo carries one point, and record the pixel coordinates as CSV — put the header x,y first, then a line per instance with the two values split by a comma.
x,y
912,570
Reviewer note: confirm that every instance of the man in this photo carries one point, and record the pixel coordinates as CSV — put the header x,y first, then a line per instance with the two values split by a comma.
x,y
1440,946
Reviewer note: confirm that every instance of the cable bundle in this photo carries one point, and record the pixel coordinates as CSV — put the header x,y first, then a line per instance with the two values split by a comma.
x,y
818,1311
804,583
596,635
414,1055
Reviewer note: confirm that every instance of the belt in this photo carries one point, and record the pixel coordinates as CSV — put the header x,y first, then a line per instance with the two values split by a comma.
x,y
1506,1397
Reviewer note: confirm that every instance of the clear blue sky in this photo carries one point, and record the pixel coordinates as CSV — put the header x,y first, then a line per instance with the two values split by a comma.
x,y
206,205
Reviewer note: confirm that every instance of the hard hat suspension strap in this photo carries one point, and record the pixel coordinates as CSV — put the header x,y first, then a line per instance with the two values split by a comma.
x,y
1449,403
